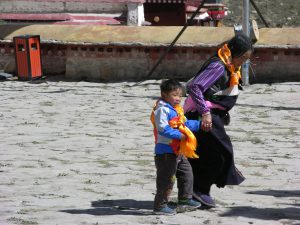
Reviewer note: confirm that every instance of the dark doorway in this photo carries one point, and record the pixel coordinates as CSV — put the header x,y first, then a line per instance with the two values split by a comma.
x,y
165,14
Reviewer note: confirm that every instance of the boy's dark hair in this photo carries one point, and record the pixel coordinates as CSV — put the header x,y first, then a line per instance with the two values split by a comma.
x,y
170,85
239,45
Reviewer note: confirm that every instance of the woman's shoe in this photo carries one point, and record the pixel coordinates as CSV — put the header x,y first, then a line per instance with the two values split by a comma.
x,y
205,199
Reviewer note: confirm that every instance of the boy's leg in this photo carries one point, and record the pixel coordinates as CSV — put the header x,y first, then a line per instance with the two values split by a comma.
x,y
165,179
185,178
184,175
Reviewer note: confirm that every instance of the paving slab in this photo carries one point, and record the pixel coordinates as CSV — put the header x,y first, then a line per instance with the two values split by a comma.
x,y
82,153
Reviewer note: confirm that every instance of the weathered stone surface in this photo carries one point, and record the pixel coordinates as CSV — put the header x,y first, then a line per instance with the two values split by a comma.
x,y
193,36
82,153
114,53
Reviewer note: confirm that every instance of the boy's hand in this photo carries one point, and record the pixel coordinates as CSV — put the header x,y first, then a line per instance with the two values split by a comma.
x,y
183,137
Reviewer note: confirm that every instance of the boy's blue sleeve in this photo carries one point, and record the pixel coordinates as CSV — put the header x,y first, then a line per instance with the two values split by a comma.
x,y
193,125
162,124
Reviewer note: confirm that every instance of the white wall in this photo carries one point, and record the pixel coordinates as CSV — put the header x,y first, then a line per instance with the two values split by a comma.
x,y
135,15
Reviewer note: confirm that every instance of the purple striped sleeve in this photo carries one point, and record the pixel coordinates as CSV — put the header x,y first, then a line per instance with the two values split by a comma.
x,y
202,82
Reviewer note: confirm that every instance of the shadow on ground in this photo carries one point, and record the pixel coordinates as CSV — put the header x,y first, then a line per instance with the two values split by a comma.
x,y
271,107
291,213
116,207
277,193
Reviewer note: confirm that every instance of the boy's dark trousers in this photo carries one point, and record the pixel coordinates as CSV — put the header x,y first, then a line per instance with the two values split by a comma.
x,y
169,167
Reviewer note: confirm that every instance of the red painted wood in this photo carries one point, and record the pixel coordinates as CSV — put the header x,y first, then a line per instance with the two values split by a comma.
x,y
62,18
84,1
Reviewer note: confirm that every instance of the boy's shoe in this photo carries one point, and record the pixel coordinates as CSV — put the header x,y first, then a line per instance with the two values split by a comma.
x,y
188,205
205,199
164,211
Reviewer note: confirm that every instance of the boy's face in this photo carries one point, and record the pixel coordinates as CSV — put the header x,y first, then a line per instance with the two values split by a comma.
x,y
173,97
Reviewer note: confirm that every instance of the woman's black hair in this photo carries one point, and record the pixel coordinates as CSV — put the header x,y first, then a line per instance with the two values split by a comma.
x,y
239,45
170,85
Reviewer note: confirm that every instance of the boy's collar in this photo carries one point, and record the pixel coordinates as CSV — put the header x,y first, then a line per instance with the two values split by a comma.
x,y
167,103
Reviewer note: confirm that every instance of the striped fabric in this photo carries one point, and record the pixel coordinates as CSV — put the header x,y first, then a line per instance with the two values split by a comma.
x,y
165,1
201,83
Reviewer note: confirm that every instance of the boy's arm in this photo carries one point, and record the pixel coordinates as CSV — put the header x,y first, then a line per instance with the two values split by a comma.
x,y
193,125
162,125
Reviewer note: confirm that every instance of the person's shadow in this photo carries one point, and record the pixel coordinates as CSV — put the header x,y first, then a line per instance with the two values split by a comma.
x,y
292,212
116,207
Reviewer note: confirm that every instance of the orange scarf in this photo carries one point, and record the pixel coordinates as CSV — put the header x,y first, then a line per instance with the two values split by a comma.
x,y
188,146
225,55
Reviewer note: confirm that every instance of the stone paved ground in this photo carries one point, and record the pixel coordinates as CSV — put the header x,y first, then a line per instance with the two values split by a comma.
x,y
82,153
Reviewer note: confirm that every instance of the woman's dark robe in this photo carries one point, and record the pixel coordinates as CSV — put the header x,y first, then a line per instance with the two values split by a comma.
x,y
216,160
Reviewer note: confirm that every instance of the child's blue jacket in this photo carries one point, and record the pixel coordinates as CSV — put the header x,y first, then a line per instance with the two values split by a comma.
x,y
164,133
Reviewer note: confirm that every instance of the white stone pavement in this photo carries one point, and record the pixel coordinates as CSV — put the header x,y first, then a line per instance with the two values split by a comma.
x,y
82,153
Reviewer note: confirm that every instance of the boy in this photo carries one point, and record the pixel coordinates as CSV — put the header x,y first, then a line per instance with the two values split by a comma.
x,y
170,166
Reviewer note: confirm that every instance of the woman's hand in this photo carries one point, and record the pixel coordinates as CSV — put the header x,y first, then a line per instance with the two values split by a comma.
x,y
206,124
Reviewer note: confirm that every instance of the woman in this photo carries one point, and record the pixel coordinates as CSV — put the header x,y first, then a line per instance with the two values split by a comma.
x,y
212,93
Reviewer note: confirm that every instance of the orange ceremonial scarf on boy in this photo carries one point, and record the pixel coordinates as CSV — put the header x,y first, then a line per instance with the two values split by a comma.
x,y
225,55
185,147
